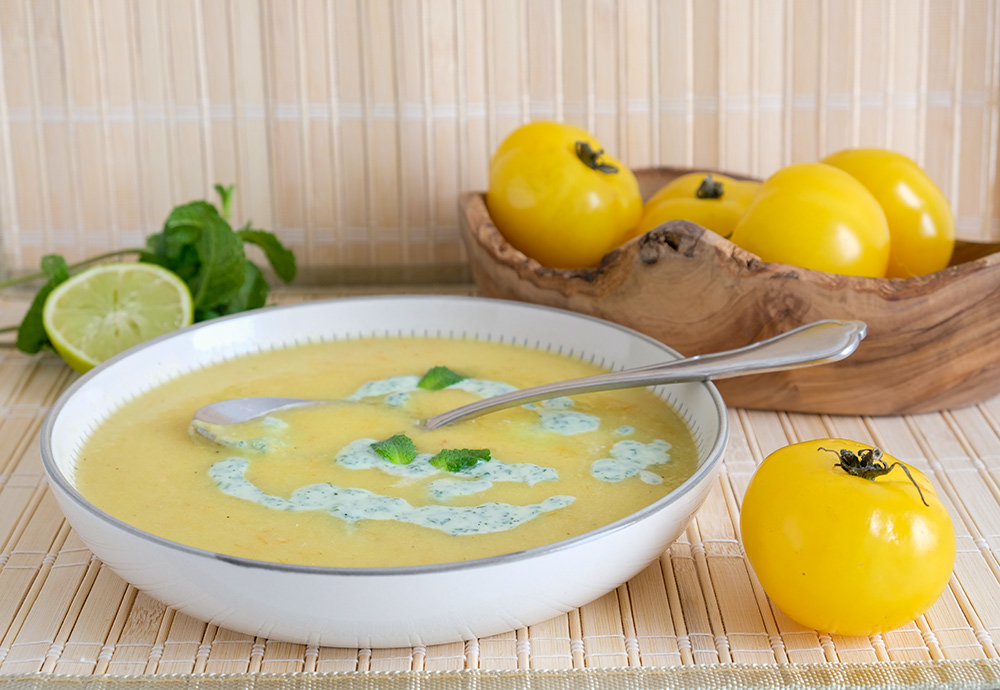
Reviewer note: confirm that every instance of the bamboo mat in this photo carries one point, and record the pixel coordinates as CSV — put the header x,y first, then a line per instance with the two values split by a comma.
x,y
695,618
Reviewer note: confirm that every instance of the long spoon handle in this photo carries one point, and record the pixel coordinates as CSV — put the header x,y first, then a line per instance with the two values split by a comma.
x,y
815,343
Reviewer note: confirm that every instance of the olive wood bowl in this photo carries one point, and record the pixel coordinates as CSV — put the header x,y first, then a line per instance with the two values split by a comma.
x,y
930,338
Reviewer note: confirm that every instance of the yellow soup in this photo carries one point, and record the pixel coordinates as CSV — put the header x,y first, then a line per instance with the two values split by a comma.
x,y
324,485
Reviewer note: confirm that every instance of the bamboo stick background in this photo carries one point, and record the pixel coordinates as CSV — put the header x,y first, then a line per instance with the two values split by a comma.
x,y
350,126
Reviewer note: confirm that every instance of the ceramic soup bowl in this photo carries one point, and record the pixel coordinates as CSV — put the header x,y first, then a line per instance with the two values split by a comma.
x,y
392,606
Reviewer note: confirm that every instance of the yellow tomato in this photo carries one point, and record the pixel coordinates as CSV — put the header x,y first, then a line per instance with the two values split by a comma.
x,y
921,224
711,200
840,552
816,216
556,196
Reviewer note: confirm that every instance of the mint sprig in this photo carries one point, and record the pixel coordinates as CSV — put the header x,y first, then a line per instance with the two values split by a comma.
x,y
200,246
437,378
281,259
397,449
31,336
458,459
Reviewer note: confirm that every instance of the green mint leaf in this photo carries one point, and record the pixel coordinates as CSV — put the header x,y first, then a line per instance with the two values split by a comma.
x,y
185,264
251,295
55,267
281,259
437,378
175,245
225,199
458,459
199,245
31,335
222,262
398,449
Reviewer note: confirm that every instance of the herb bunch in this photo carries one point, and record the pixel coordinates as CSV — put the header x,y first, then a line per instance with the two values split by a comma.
x,y
200,246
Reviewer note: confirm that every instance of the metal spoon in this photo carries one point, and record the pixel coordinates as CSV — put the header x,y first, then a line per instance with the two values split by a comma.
x,y
815,343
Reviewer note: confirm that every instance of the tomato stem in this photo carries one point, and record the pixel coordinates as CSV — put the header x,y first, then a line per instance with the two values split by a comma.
x,y
710,188
592,158
868,464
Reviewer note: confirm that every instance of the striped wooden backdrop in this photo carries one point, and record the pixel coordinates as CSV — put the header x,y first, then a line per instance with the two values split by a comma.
x,y
350,126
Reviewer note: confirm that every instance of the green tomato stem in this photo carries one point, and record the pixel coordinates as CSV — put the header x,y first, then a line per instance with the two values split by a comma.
x,y
710,188
868,464
592,158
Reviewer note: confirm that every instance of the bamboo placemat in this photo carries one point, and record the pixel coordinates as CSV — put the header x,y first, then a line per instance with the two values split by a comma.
x,y
696,618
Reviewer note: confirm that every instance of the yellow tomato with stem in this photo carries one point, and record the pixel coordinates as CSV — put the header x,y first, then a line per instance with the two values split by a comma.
x,y
816,216
711,200
921,224
846,539
555,195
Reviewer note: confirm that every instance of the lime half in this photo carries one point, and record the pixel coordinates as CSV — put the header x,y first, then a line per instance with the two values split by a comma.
x,y
109,308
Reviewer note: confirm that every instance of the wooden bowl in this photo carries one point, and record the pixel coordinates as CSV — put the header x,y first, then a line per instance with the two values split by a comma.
x,y
930,338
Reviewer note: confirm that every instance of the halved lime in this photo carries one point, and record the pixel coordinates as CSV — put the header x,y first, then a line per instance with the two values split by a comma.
x,y
109,308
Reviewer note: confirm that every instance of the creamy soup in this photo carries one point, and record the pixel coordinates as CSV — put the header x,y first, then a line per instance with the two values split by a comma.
x,y
357,482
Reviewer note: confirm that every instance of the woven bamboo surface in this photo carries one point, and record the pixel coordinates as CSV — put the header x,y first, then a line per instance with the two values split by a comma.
x,y
695,618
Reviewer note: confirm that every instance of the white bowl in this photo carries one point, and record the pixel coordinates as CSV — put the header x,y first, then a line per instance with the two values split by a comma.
x,y
377,607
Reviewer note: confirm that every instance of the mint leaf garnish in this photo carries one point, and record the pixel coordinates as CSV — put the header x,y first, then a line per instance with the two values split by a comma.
x,y
252,294
225,200
397,449
281,259
31,335
198,245
458,459
437,378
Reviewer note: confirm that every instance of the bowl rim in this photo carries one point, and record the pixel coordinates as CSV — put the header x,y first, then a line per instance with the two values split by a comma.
x,y
58,478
